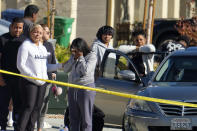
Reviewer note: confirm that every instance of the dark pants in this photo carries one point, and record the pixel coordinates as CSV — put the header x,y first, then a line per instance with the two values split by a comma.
x,y
11,90
4,103
33,96
80,108
13,83
44,108
97,119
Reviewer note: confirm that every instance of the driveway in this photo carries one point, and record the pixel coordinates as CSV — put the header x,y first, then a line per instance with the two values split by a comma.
x,y
56,122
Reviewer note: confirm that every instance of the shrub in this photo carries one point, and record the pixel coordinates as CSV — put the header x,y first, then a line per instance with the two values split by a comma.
x,y
62,54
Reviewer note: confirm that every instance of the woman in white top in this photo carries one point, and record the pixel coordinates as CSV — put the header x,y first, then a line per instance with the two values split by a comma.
x,y
32,61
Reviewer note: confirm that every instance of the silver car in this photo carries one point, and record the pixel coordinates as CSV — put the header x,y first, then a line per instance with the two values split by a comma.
x,y
175,79
118,73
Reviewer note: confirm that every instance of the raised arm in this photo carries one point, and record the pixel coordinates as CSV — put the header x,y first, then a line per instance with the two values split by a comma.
x,y
88,66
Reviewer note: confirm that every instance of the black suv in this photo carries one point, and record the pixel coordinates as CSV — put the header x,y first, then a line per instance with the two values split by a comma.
x,y
164,31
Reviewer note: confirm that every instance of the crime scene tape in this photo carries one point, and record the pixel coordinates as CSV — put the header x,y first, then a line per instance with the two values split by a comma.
x,y
106,91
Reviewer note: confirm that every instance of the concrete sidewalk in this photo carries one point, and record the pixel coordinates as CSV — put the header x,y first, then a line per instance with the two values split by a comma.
x,y
56,122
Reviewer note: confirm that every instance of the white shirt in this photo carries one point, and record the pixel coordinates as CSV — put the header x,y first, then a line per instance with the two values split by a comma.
x,y
32,61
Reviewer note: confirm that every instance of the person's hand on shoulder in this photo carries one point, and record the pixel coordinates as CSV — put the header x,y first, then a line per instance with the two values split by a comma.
x,y
127,48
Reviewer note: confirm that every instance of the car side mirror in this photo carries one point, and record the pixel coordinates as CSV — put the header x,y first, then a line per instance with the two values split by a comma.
x,y
127,74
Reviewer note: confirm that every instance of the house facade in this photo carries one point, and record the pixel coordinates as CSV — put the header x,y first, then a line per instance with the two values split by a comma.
x,y
89,15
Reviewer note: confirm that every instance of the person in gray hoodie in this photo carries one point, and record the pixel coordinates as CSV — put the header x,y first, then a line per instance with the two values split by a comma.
x,y
80,67
104,36
99,46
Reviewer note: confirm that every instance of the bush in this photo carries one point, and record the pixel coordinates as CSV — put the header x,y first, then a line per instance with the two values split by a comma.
x,y
62,54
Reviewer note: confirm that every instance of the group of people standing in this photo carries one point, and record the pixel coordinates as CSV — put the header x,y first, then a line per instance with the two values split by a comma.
x,y
25,49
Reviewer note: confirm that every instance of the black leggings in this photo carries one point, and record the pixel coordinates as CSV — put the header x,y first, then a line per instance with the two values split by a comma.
x,y
11,90
4,103
33,96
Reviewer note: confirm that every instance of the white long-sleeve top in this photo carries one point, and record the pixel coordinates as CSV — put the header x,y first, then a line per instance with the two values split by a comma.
x,y
32,61
148,59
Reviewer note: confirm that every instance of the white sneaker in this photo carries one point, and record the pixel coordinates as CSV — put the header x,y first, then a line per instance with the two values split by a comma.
x,y
35,126
10,123
47,125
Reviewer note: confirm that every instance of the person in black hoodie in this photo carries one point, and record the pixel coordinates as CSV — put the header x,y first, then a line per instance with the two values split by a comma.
x,y
9,44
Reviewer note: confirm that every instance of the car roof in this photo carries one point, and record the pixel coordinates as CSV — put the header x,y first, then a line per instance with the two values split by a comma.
x,y
4,22
4,26
191,51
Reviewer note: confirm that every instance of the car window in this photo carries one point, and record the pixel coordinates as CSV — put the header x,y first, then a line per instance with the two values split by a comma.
x,y
178,69
114,64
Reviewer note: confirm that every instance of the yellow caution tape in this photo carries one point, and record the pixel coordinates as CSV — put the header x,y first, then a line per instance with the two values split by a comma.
x,y
106,91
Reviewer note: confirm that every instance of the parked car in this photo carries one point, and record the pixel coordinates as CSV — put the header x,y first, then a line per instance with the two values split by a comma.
x,y
4,26
175,79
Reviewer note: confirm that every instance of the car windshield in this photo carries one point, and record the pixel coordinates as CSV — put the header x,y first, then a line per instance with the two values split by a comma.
x,y
178,69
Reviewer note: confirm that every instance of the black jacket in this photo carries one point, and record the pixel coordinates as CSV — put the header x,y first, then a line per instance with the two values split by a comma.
x,y
9,48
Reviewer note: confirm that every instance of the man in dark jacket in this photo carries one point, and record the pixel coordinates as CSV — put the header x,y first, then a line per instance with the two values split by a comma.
x,y
9,44
30,17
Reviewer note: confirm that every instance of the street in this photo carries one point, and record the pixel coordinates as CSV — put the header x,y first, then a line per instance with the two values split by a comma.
x,y
56,122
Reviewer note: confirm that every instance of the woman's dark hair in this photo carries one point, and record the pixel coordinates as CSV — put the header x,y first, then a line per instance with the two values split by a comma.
x,y
81,45
30,10
139,32
105,30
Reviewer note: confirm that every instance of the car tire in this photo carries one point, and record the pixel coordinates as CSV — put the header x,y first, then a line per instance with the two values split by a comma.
x,y
125,127
165,39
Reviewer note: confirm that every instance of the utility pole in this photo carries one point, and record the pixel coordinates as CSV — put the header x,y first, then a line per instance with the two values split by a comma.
x,y
150,20
145,14
109,12
153,20
52,19
48,13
